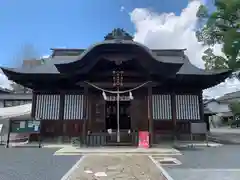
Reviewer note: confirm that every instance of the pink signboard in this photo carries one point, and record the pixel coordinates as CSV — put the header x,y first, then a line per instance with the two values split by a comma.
x,y
143,139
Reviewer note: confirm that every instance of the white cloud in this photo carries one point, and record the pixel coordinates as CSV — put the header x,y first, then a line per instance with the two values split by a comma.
x,y
169,31
122,8
4,82
45,57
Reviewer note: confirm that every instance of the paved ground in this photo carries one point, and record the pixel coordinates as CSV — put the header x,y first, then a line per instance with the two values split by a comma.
x,y
207,164
225,130
124,167
225,135
33,164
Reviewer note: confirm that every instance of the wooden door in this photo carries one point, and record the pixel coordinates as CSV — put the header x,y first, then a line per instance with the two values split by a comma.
x,y
97,114
139,115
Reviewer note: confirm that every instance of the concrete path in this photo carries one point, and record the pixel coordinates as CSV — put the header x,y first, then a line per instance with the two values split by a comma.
x,y
70,150
127,167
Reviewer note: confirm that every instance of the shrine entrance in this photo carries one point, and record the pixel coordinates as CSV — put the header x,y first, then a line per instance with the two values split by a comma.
x,y
124,115
124,122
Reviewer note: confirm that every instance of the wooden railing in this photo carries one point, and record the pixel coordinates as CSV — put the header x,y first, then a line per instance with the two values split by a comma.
x,y
106,139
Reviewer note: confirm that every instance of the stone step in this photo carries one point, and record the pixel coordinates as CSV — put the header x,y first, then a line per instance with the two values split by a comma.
x,y
117,153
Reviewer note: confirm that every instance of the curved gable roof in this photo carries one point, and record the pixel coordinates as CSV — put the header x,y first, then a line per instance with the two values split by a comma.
x,y
82,59
167,56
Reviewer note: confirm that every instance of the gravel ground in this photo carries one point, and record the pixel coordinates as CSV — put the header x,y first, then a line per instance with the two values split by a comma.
x,y
208,164
33,164
124,167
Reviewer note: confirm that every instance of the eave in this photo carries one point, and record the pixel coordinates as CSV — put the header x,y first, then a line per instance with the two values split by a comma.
x,y
204,80
30,79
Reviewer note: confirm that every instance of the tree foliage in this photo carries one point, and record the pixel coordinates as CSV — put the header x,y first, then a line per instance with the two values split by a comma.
x,y
235,107
221,27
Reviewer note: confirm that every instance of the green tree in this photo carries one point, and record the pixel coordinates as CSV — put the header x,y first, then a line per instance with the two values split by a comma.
x,y
235,107
221,27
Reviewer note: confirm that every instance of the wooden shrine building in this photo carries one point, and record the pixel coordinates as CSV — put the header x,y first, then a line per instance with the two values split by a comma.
x,y
70,90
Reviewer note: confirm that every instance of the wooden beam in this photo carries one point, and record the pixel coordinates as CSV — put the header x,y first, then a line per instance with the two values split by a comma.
x,y
125,74
110,85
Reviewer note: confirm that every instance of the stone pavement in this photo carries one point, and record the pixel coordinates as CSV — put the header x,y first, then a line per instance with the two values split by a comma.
x,y
124,167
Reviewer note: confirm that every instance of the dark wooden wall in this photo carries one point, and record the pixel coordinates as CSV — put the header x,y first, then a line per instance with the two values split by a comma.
x,y
176,124
139,111
94,120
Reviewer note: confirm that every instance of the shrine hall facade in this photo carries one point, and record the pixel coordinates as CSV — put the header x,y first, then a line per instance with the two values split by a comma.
x,y
74,90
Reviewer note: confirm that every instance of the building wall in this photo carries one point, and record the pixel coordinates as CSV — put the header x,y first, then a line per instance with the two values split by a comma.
x,y
11,103
62,113
71,107
216,107
161,107
15,99
172,111
48,106
187,107
1,103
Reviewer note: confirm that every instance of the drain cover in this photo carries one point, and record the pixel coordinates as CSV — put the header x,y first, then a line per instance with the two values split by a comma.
x,y
169,161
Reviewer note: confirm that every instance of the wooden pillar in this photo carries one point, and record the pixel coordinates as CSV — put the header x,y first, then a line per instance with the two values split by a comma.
x,y
9,132
150,118
33,110
85,113
61,109
201,106
61,116
90,112
34,102
174,114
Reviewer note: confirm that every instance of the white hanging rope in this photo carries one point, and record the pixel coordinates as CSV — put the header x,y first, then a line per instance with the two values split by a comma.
x,y
117,92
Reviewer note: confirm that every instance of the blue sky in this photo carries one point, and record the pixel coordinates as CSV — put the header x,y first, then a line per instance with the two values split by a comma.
x,y
72,23
46,24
